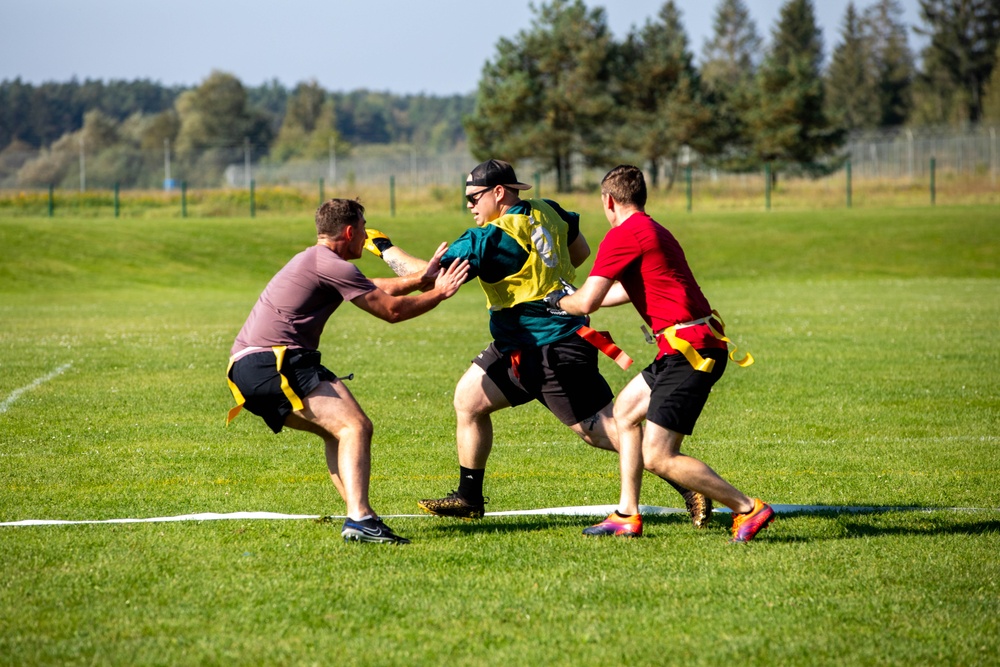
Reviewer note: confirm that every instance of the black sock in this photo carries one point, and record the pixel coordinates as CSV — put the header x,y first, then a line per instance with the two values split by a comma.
x,y
623,516
680,489
470,483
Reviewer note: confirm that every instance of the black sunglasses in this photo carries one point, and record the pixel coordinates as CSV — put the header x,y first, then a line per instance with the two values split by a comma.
x,y
474,197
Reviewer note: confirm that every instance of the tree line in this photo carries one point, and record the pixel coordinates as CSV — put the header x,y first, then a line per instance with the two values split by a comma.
x,y
562,90
127,128
565,89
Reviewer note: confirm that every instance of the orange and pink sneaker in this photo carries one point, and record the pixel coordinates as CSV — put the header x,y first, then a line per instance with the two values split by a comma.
x,y
746,526
621,526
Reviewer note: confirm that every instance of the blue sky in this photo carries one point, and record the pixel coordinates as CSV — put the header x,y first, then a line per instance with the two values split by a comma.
x,y
436,46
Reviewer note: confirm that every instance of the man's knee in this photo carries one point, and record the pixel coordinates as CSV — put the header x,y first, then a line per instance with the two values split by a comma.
x,y
476,396
355,424
364,427
661,446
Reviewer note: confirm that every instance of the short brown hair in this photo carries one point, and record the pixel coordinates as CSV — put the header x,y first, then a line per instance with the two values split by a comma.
x,y
335,214
626,185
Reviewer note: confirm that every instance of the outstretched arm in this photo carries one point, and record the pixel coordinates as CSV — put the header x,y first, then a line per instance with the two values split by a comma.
x,y
401,262
588,298
616,296
399,308
416,280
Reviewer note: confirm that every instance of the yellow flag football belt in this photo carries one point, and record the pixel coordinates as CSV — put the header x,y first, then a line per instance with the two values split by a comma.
x,y
279,358
698,362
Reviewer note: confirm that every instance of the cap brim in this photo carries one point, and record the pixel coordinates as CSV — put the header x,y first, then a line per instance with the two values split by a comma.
x,y
512,186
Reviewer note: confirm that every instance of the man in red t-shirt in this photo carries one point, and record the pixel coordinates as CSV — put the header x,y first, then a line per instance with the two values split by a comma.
x,y
640,261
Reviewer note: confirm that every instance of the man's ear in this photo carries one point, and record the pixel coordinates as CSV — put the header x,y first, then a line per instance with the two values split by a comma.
x,y
350,231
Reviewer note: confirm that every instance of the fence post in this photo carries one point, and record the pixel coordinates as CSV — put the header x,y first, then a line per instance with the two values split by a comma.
x,y
116,199
848,184
933,185
767,186
52,203
184,199
321,197
538,185
687,180
253,204
392,195
993,154
464,200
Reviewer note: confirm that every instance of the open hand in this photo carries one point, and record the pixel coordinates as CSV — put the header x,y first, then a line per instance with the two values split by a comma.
x,y
449,280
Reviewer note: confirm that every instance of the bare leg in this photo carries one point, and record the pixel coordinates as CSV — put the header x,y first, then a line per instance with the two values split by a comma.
x,y
599,430
630,412
661,453
332,413
476,398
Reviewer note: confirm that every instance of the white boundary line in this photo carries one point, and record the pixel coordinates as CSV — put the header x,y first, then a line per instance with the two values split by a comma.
x,y
16,394
582,510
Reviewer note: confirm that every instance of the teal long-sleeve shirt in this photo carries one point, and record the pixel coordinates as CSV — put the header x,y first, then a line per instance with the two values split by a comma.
x,y
493,255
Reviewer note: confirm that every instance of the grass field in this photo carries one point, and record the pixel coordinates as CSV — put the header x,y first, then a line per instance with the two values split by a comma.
x,y
875,385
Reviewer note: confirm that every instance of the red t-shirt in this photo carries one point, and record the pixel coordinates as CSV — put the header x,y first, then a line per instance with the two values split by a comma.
x,y
650,264
295,305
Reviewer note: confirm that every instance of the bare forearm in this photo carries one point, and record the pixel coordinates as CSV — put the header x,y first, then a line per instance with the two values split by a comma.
x,y
401,285
394,308
616,296
403,263
588,298
408,307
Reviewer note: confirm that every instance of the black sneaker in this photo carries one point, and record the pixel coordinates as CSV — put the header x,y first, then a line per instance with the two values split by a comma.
x,y
454,505
370,530
699,506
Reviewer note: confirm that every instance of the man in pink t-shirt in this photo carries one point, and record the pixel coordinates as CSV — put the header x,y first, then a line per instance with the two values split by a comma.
x,y
274,368
640,261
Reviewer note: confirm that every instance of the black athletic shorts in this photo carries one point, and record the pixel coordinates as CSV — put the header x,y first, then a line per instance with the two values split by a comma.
x,y
563,376
679,392
258,380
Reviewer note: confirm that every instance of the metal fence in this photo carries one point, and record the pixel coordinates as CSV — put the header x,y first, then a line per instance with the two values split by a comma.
x,y
896,153
372,166
907,153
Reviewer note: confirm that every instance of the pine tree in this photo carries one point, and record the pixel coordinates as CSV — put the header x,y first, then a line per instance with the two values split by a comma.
x,y
964,36
730,63
788,124
991,96
851,85
882,24
659,96
546,95
730,58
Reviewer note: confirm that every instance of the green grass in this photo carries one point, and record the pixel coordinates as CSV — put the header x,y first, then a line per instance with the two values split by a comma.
x,y
875,385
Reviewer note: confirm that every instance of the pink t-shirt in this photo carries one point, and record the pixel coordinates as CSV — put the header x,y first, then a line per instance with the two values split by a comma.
x,y
650,264
295,305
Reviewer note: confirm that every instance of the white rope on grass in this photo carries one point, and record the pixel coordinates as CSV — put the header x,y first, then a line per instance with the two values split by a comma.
x,y
582,510
16,394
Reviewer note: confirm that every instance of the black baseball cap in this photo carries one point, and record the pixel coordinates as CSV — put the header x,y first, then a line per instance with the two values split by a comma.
x,y
495,172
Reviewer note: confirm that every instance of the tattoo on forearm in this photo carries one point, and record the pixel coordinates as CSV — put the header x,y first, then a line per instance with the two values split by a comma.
x,y
398,267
